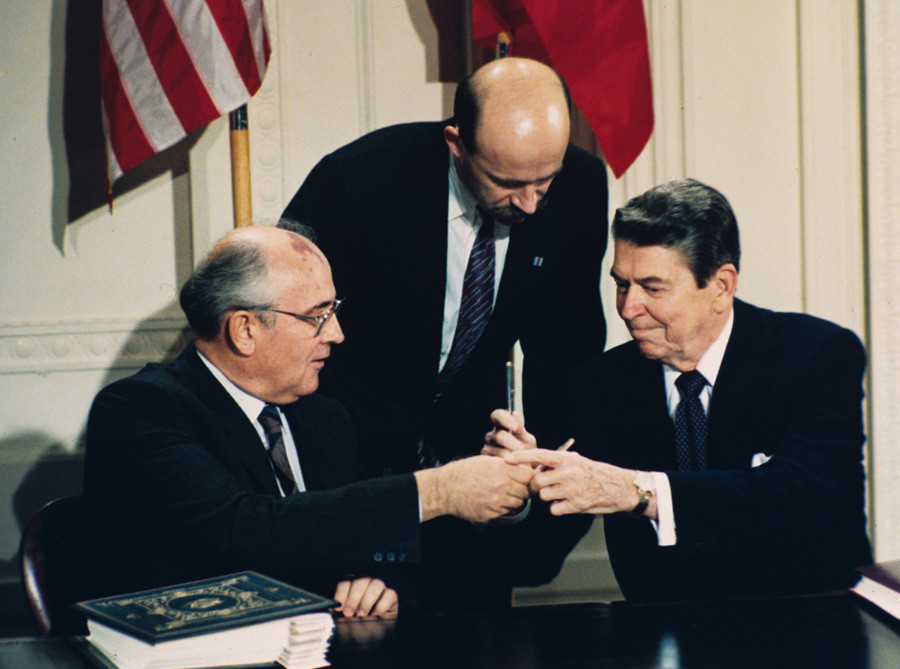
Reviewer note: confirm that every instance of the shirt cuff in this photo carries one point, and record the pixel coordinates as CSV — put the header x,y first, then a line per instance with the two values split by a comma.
x,y
665,514
513,518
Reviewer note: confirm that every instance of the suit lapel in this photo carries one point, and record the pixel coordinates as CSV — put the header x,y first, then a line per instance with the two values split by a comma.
x,y
620,411
740,392
239,440
423,249
654,438
310,462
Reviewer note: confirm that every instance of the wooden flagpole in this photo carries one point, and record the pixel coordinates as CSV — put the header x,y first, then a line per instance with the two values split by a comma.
x,y
503,40
240,167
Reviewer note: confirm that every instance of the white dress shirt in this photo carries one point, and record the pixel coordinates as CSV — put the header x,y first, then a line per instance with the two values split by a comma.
x,y
252,407
463,223
708,366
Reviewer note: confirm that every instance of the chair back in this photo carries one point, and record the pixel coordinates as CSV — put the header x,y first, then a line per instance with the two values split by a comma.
x,y
43,563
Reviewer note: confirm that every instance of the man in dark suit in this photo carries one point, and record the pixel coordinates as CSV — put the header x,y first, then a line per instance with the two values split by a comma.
x,y
396,213
177,476
733,433
399,213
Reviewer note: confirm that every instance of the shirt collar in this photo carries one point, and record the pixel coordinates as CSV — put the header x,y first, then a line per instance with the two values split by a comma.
x,y
252,406
461,202
712,360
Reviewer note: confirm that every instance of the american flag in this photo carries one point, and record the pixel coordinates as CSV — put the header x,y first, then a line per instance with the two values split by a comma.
x,y
169,67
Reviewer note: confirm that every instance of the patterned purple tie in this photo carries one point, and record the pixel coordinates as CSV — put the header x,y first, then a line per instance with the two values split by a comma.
x,y
474,314
690,423
271,422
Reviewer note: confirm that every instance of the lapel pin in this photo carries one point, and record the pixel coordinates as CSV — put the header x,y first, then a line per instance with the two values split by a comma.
x,y
538,261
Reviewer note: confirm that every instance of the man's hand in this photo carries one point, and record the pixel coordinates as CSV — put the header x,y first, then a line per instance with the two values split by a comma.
x,y
477,489
575,484
366,597
509,434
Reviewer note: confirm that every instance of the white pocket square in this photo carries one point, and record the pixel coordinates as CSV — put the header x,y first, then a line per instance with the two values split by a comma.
x,y
759,459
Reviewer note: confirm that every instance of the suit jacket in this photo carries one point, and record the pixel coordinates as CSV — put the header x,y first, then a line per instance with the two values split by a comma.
x,y
178,480
379,207
178,486
790,386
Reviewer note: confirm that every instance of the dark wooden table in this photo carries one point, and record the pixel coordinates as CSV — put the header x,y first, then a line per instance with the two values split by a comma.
x,y
822,631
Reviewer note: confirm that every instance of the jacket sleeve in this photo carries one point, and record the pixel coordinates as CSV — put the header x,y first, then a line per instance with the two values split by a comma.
x,y
177,481
566,325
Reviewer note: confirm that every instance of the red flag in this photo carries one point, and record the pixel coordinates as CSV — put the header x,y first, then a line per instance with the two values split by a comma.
x,y
599,47
170,67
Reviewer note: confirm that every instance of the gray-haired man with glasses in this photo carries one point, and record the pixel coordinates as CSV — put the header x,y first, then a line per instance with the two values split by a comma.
x,y
229,460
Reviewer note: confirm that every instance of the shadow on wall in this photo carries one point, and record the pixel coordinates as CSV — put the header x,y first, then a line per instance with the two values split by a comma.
x,y
56,471
38,469
75,122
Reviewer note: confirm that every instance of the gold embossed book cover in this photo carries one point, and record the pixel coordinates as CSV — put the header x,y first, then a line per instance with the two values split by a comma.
x,y
239,619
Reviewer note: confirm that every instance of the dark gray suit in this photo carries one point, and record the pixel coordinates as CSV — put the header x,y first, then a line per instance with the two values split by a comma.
x,y
790,386
179,487
177,474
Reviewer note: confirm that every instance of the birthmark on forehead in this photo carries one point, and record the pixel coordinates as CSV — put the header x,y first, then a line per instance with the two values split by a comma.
x,y
306,250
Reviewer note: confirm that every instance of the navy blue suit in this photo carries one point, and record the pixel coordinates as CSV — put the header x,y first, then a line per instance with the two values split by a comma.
x,y
790,386
379,207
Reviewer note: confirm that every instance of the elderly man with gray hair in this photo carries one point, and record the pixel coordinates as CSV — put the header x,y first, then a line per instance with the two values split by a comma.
x,y
228,459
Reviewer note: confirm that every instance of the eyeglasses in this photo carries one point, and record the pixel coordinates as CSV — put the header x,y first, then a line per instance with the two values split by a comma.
x,y
319,321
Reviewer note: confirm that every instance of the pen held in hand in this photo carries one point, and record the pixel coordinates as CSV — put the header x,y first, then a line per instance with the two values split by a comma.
x,y
510,387
565,447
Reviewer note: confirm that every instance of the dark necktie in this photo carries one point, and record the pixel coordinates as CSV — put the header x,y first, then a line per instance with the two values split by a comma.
x,y
475,303
690,423
474,313
271,422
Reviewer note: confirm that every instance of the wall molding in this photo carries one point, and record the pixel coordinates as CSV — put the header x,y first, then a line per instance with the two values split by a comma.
x,y
91,345
882,124
832,216
365,65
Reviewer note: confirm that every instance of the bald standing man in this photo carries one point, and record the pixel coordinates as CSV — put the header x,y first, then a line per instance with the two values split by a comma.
x,y
179,484
398,213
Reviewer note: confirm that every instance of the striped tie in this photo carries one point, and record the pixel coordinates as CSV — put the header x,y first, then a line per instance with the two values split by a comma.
x,y
474,313
271,422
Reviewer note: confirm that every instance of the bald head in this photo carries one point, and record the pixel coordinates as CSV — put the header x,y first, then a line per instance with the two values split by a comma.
x,y
510,135
520,97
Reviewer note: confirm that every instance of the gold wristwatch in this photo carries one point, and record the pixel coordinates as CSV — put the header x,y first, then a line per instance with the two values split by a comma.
x,y
646,490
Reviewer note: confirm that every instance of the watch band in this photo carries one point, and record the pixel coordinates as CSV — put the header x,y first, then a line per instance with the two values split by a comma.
x,y
645,494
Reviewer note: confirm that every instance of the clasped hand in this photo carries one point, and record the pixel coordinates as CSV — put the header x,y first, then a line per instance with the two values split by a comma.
x,y
570,482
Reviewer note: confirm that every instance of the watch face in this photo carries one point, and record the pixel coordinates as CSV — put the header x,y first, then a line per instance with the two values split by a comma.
x,y
645,481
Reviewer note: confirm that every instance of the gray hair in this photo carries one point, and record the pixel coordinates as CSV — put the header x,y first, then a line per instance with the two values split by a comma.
x,y
299,227
233,277
686,216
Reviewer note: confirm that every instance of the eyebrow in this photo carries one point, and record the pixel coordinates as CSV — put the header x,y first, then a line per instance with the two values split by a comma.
x,y
641,281
516,183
